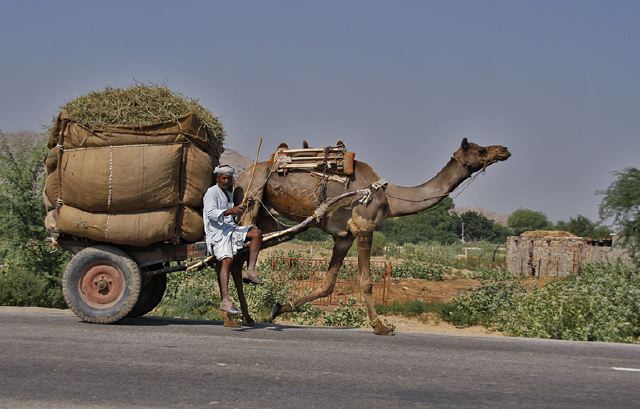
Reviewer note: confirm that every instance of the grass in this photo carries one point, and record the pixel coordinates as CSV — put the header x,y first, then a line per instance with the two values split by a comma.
x,y
140,105
412,308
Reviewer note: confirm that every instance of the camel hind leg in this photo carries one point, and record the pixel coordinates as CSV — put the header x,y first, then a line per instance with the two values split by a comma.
x,y
340,249
364,241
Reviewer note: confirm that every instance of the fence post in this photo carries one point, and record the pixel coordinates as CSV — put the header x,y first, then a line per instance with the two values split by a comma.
x,y
386,282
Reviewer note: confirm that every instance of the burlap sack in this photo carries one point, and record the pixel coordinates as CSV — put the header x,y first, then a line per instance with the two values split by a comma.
x,y
199,177
191,225
50,220
122,178
51,190
138,229
125,184
51,160
183,129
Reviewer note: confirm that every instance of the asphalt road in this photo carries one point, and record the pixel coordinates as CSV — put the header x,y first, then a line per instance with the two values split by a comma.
x,y
48,359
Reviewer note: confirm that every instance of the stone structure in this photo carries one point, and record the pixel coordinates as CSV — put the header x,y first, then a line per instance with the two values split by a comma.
x,y
556,254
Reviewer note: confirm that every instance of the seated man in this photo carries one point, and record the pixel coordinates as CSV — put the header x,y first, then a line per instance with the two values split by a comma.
x,y
224,238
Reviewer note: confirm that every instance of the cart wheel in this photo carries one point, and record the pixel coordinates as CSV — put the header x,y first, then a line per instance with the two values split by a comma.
x,y
150,295
101,284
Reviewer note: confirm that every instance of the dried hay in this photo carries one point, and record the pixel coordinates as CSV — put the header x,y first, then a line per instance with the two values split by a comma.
x,y
140,105
548,233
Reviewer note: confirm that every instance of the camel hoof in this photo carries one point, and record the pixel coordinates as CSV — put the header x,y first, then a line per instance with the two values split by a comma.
x,y
275,311
248,322
380,329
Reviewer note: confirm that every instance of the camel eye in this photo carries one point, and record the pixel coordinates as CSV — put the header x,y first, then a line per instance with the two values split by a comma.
x,y
483,151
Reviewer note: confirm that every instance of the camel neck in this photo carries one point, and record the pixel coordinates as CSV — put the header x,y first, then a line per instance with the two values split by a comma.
x,y
404,200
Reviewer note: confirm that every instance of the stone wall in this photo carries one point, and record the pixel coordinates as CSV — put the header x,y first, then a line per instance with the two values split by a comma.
x,y
555,256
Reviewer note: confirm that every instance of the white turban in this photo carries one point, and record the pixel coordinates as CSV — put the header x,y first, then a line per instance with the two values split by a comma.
x,y
224,170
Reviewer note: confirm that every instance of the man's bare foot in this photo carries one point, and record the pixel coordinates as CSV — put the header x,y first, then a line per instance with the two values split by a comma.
x,y
251,277
227,306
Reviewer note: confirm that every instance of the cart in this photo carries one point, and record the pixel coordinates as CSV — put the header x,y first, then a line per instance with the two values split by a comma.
x,y
104,283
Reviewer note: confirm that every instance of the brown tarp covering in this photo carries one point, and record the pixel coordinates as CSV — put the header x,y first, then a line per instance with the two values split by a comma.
x,y
129,185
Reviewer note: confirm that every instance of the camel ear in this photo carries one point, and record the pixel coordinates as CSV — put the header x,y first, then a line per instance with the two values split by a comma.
x,y
465,144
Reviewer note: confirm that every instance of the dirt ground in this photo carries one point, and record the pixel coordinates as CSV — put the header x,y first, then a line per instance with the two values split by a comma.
x,y
433,325
405,290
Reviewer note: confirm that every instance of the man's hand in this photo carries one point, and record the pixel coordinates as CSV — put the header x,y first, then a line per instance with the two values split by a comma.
x,y
235,211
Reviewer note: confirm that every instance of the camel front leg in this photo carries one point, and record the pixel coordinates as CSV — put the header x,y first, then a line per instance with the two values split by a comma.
x,y
340,248
364,241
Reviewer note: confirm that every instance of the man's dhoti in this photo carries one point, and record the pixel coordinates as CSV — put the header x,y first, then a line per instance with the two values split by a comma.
x,y
229,245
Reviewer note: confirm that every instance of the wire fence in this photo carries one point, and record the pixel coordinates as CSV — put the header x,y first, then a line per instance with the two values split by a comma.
x,y
308,274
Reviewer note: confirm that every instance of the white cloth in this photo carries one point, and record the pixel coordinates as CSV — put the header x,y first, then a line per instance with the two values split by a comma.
x,y
224,170
224,238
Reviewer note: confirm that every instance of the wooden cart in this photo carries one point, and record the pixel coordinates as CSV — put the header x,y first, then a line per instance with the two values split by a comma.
x,y
104,283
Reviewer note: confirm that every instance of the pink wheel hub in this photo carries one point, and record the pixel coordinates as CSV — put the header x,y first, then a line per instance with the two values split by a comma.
x,y
102,286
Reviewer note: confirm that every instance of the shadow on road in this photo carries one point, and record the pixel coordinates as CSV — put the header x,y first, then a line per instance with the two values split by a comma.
x,y
164,321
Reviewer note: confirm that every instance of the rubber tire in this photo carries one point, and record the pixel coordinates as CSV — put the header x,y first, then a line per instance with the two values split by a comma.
x,y
150,295
101,255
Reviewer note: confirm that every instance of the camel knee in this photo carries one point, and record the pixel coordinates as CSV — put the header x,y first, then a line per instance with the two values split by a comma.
x,y
325,290
366,286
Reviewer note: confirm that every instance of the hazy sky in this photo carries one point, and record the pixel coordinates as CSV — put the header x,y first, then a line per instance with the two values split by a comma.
x,y
400,82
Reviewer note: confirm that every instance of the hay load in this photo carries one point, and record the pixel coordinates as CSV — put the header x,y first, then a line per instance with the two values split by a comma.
x,y
130,166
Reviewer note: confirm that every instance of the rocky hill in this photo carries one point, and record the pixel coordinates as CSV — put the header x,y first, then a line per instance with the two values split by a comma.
x,y
235,160
24,137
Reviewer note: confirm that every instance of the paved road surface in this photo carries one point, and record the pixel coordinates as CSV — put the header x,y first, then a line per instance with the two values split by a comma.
x,y
48,359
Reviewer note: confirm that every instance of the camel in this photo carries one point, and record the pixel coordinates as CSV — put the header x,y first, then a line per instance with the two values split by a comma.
x,y
295,195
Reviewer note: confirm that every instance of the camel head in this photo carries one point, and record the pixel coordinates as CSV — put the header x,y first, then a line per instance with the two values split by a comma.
x,y
475,157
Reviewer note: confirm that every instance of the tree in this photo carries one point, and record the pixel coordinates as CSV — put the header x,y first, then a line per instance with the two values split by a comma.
x,y
437,223
478,227
31,268
582,226
526,220
621,203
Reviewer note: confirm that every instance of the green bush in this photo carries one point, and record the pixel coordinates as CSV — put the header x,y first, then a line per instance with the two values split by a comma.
x,y
30,268
195,295
480,306
420,261
600,304
192,295
348,314
21,287
276,289
306,314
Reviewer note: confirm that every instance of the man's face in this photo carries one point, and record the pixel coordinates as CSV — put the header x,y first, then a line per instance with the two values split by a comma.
x,y
224,181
